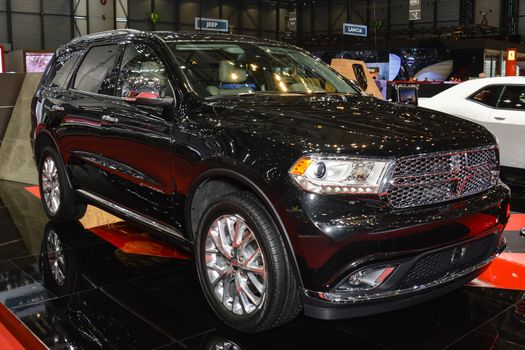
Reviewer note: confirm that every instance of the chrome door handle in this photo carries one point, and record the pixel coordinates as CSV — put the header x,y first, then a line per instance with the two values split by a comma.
x,y
57,108
109,118
500,118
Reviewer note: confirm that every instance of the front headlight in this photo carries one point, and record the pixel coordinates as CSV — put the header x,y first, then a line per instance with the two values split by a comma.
x,y
339,174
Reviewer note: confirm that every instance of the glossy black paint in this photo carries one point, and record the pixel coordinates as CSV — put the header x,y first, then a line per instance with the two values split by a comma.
x,y
154,159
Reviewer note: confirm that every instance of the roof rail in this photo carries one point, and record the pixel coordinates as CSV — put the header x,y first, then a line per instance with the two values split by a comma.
x,y
105,33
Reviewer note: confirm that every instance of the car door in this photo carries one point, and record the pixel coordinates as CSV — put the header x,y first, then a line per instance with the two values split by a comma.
x,y
51,95
137,129
507,122
478,106
80,132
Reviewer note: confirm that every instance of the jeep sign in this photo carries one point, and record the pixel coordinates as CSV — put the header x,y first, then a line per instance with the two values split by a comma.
x,y
216,25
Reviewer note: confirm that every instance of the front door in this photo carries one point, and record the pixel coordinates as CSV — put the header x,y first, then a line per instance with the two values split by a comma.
x,y
139,160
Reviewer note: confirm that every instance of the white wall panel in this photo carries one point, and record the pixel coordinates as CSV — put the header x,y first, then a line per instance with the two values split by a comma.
x,y
492,9
80,7
101,17
81,27
122,9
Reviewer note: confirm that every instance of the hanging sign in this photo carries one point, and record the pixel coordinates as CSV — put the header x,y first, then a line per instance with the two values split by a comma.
x,y
355,29
414,10
216,25
510,64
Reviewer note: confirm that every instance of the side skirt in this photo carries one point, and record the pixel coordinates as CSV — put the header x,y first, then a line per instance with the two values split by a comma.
x,y
134,216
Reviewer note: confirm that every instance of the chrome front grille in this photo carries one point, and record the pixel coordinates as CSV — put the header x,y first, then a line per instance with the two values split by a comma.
x,y
440,177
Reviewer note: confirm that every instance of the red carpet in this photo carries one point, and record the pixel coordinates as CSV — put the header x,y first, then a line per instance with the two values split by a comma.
x,y
516,222
34,190
135,241
14,335
507,272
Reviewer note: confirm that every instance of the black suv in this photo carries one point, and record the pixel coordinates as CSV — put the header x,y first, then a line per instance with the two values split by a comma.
x,y
293,189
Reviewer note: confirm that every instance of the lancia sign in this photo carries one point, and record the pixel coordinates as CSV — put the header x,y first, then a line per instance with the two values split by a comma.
x,y
355,29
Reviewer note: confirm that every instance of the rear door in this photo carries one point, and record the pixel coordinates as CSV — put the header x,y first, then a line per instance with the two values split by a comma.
x,y
51,95
507,122
80,133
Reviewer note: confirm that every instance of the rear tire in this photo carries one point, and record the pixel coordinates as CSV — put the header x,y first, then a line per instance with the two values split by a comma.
x,y
59,200
243,266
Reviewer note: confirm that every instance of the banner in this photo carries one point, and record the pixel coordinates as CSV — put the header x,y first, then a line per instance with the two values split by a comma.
x,y
510,64
216,25
414,10
355,29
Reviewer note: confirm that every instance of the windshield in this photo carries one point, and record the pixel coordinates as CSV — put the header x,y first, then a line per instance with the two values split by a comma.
x,y
217,68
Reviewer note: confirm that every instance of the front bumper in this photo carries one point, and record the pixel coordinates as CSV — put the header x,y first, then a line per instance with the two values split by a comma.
x,y
332,237
402,289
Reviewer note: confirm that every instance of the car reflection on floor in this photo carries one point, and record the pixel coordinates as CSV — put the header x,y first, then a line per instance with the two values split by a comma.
x,y
105,284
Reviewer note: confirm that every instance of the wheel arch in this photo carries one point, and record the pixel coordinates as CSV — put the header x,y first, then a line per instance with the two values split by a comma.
x,y
43,140
232,181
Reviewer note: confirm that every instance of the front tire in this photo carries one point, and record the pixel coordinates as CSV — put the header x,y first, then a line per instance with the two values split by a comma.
x,y
243,265
58,198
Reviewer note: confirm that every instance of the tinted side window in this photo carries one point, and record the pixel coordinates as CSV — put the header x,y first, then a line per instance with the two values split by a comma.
x,y
513,97
487,95
96,72
61,68
142,73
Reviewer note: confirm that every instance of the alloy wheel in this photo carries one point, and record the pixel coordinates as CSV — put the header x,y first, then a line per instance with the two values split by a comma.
x,y
235,265
51,185
56,258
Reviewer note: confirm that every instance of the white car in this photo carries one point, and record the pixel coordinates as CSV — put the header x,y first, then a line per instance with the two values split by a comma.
x,y
496,103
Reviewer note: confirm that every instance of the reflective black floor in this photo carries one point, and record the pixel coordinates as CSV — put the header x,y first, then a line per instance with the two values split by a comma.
x,y
101,284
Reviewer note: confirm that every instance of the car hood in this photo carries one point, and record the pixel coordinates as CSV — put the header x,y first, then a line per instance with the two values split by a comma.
x,y
348,124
